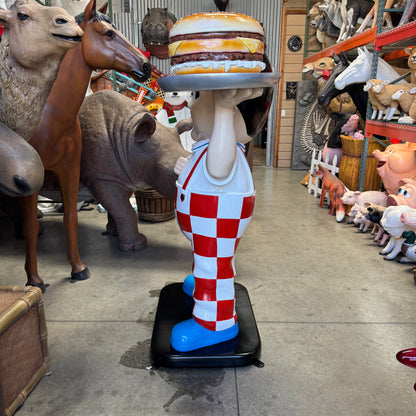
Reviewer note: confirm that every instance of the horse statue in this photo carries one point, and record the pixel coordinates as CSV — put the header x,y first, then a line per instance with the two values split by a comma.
x,y
360,70
358,95
58,138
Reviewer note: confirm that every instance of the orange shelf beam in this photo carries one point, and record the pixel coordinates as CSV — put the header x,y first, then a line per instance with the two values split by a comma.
x,y
404,132
358,40
395,35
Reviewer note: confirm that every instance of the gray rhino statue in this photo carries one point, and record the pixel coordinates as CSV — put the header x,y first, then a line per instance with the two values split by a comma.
x,y
125,149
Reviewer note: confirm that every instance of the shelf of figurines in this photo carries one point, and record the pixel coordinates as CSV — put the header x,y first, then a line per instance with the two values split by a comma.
x,y
391,129
402,34
364,38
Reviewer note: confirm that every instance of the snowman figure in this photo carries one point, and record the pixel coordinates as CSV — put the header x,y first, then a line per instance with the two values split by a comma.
x,y
177,107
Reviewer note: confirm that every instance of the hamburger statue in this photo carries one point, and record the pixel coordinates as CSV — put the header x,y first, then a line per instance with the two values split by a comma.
x,y
215,189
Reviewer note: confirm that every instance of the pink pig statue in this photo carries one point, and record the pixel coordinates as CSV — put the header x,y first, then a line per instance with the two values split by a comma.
x,y
406,195
351,126
397,162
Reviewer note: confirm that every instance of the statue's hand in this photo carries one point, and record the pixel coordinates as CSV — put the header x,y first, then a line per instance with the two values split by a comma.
x,y
231,98
180,164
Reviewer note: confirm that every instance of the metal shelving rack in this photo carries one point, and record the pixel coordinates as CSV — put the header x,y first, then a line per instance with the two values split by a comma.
x,y
398,37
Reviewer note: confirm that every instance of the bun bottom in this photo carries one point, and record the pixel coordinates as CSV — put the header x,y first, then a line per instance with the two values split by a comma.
x,y
218,67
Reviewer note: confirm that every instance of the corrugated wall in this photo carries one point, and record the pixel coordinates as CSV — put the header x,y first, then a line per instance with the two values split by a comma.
x,y
266,11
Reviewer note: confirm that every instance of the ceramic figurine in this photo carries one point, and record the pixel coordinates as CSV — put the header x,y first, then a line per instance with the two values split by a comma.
x,y
214,205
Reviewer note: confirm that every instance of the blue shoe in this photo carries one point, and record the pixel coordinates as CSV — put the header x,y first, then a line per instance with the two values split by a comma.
x,y
189,335
189,285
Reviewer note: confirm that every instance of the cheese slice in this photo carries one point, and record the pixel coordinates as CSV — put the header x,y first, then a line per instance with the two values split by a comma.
x,y
251,44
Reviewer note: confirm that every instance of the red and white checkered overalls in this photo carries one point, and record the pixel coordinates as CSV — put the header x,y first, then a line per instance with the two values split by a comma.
x,y
213,215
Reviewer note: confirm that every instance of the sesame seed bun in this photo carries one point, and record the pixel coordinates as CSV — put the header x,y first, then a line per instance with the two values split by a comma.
x,y
216,42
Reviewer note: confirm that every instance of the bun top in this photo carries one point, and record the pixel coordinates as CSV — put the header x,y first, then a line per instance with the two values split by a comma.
x,y
215,22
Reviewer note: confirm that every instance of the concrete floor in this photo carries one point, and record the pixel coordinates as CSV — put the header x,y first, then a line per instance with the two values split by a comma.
x,y
331,313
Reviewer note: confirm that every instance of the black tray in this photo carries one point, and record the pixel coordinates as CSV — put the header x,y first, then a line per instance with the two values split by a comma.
x,y
174,307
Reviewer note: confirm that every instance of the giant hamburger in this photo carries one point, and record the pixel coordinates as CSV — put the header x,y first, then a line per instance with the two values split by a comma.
x,y
218,42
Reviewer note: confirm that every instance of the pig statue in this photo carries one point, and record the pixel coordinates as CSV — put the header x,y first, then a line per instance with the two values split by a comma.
x,y
392,224
397,162
361,198
406,195
126,149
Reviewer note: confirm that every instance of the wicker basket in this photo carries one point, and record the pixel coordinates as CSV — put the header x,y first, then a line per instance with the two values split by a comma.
x,y
24,355
349,169
154,207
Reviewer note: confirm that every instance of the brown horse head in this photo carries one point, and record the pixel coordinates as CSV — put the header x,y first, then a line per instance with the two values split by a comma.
x,y
104,46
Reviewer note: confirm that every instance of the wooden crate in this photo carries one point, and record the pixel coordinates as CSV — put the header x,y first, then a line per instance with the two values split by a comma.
x,y
24,355
349,169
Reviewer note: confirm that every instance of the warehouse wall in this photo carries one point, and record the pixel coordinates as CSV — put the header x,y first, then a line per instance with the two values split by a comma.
x,y
291,69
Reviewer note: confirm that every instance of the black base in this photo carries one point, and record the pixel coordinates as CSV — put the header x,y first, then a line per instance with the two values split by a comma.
x,y
174,307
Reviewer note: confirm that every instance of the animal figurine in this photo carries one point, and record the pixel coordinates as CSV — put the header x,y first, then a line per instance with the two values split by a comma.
x,y
126,149
326,32
408,12
21,168
335,189
351,126
58,136
155,29
393,225
380,94
321,70
359,70
329,91
362,198
351,11
406,195
176,107
406,98
362,221
375,213
345,14
34,42
408,246
398,161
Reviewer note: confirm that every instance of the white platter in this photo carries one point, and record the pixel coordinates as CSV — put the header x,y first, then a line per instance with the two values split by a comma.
x,y
200,82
